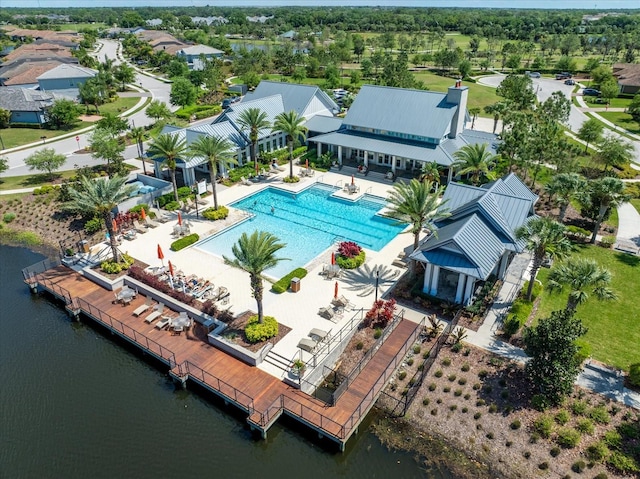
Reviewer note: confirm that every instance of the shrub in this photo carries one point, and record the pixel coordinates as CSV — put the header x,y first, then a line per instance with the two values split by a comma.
x,y
585,426
465,367
402,375
493,408
490,435
172,206
137,209
351,263
283,283
598,451
182,243
562,417
540,402
480,402
446,389
602,475
607,241
216,214
111,267
579,408
526,454
613,439
634,374
349,249
416,349
543,466
452,377
434,412
93,225
578,466
360,345
464,410
543,426
483,373
256,332
515,424
622,462
446,362
462,381
467,396
504,394
291,179
600,415
438,373
432,387
555,451
458,392
453,407
377,333
425,401
409,361
456,347
8,217
476,386
568,438
153,281
477,415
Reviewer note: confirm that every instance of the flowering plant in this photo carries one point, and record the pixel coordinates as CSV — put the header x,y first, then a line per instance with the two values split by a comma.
x,y
349,249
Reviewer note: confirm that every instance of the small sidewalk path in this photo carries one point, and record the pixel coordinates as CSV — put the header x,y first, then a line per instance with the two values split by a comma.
x,y
628,237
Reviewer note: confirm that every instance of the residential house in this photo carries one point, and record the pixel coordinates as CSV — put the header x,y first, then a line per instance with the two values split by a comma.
x,y
24,73
65,77
39,51
398,130
195,54
628,76
478,239
26,105
209,20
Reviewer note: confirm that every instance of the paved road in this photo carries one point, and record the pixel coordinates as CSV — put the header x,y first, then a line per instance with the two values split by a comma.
x,y
158,90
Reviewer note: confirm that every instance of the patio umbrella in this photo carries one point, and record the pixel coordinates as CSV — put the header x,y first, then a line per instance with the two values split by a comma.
x,y
307,163
352,180
143,214
333,258
171,274
114,225
179,219
257,167
160,254
335,291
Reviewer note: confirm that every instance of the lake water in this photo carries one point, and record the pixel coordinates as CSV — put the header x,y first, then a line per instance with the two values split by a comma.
x,y
76,403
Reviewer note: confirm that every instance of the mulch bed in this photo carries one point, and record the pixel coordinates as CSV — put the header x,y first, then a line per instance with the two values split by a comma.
x,y
235,333
113,276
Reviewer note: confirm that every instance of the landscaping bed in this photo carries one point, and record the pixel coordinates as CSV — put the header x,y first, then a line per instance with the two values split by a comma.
x,y
235,333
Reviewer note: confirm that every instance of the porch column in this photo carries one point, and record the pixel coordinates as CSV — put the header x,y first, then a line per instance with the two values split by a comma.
x,y
339,154
504,261
434,280
468,290
428,269
393,164
461,279
319,149
449,175
366,158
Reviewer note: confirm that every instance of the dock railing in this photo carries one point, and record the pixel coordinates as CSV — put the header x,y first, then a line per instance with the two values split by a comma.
x,y
366,358
30,272
146,343
368,400
214,382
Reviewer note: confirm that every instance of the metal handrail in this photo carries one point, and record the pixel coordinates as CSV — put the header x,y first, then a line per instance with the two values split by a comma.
x,y
30,272
338,183
54,288
223,387
147,344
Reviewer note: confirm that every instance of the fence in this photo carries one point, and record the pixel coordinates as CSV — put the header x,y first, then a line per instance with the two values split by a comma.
x,y
29,273
146,344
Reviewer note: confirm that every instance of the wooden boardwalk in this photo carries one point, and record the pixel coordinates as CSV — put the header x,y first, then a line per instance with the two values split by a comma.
x,y
263,396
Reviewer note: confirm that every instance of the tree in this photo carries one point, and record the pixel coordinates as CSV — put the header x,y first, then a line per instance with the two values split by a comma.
x,y
219,154
107,146
139,134
292,125
254,120
564,188
474,112
158,110
581,275
45,160
5,118
4,164
497,110
556,108
93,92
634,108
254,254
169,148
545,238
474,159
100,197
604,194
518,91
600,74
590,132
551,345
613,151
416,203
609,89
63,114
124,74
183,93
113,123
465,68
567,64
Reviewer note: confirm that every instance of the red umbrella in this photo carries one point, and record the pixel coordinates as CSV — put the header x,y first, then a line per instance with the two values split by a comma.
x,y
335,291
171,269
333,258
307,163
160,254
257,167
352,180
143,214
114,225
179,219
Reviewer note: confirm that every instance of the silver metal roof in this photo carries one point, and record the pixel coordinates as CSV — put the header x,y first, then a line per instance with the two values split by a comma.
x,y
68,70
271,105
324,124
295,97
413,112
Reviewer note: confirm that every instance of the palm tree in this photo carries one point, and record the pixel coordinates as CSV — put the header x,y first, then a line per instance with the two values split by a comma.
x,y
564,188
605,193
544,237
430,172
254,120
169,147
254,254
581,274
474,112
218,153
100,197
474,159
291,124
416,204
139,134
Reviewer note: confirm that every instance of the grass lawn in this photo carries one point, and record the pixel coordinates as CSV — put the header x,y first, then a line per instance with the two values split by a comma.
x,y
119,106
614,331
12,137
636,203
479,95
31,181
621,119
620,102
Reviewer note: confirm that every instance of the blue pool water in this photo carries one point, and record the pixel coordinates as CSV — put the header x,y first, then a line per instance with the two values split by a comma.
x,y
308,222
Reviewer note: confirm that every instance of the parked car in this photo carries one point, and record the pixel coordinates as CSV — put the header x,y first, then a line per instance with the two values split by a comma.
x,y
563,75
226,103
591,92
534,74
569,82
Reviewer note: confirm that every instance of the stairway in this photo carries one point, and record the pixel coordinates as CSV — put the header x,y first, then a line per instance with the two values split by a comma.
x,y
278,361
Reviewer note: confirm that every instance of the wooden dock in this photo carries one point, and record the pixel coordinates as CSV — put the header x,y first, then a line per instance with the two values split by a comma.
x,y
190,357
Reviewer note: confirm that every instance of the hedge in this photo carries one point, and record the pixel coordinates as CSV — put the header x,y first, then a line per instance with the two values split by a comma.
x,y
184,242
283,283
282,154
257,332
200,111
216,214
634,374
351,263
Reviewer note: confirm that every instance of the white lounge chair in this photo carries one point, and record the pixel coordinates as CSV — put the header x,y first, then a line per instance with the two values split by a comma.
x,y
142,308
163,322
308,345
318,335
139,228
155,314
342,302
245,181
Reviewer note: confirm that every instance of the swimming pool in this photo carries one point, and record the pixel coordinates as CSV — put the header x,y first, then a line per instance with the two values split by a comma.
x,y
308,222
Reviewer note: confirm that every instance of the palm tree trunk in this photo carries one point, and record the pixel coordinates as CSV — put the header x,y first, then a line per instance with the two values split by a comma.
x,y
254,156
603,210
535,267
256,286
563,211
413,264
291,159
175,185
586,147
108,222
213,189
